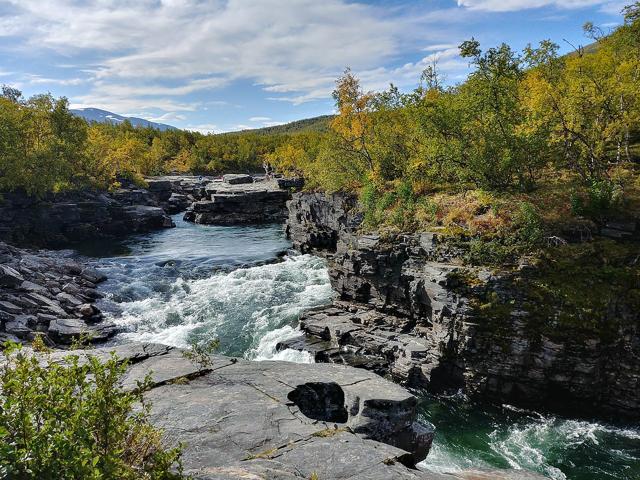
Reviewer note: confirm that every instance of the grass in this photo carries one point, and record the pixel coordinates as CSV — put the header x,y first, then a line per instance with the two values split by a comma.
x,y
266,454
329,432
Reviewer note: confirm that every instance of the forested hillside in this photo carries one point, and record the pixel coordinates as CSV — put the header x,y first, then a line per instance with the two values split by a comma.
x,y
315,124
531,144
531,125
46,148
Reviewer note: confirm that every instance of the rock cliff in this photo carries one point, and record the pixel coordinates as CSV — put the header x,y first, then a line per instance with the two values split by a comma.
x,y
64,219
240,200
408,309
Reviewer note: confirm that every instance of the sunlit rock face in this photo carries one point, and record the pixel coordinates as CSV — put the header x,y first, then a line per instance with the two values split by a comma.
x,y
407,309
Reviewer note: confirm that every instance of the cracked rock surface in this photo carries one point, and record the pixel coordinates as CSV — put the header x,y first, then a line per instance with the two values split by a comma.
x,y
242,420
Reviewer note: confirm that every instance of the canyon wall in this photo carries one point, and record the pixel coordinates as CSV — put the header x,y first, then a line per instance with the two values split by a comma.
x,y
409,309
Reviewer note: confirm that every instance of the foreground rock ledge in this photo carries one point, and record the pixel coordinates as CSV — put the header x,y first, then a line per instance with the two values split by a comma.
x,y
278,420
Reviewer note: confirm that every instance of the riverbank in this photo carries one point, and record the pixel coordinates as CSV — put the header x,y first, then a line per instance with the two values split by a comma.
x,y
409,308
236,283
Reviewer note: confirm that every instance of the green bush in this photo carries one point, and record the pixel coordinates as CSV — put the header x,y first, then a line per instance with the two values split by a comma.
x,y
601,197
72,420
529,228
488,252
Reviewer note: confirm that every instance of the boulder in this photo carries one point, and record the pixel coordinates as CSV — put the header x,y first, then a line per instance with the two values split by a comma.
x,y
68,299
295,183
237,178
92,275
65,330
10,277
28,286
87,310
10,307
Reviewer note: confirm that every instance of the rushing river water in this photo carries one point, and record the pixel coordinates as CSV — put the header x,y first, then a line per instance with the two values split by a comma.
x,y
194,283
243,286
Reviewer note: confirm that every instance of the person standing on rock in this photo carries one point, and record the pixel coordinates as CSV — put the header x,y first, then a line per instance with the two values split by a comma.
x,y
267,169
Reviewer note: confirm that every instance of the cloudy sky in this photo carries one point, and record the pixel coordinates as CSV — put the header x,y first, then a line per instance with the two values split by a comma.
x,y
214,65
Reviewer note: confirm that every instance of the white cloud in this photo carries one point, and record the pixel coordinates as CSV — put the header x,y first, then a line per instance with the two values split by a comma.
x,y
167,117
39,80
513,5
172,48
159,54
438,47
124,105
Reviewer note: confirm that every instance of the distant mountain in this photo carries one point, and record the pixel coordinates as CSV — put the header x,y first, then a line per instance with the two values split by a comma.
x,y
103,116
314,124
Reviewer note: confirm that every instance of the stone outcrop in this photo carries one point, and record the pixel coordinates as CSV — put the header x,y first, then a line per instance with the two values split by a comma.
x,y
237,178
277,420
402,313
238,202
48,294
64,219
176,192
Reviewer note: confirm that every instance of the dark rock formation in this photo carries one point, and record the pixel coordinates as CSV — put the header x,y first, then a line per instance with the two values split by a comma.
x,y
404,314
296,183
317,221
65,219
239,419
243,203
48,294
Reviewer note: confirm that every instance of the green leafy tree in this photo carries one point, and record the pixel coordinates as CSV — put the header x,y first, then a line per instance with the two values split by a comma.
x,y
73,421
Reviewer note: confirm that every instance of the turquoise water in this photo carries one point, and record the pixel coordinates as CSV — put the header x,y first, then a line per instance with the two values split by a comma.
x,y
469,435
243,286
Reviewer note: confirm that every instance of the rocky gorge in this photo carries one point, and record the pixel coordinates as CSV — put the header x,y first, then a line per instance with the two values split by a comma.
x,y
408,309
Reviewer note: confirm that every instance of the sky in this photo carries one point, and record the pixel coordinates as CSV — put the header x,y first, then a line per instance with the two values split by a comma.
x,y
226,65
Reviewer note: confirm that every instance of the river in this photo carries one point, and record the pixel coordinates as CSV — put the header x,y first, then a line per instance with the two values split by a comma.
x,y
243,286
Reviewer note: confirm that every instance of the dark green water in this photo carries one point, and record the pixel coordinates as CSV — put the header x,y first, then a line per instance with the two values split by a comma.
x,y
480,436
196,282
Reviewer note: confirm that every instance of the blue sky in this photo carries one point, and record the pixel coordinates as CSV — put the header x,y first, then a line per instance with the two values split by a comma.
x,y
214,65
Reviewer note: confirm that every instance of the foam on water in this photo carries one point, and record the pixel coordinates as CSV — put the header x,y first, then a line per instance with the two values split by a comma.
x,y
193,283
249,309
473,436
266,349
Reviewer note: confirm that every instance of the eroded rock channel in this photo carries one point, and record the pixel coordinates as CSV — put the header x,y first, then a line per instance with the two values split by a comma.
x,y
398,315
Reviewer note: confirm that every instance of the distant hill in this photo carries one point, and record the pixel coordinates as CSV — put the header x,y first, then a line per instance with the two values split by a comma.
x,y
103,116
314,124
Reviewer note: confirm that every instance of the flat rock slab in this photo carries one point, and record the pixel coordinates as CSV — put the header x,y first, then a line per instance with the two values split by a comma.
x,y
223,187
237,178
244,420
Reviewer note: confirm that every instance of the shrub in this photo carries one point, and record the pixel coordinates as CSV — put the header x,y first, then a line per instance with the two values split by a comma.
x,y
602,196
529,229
72,420
488,252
